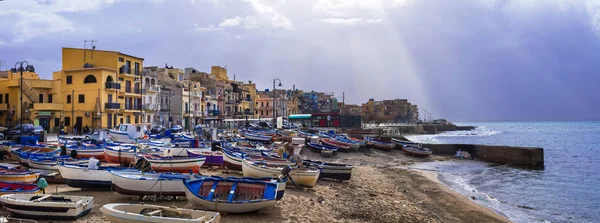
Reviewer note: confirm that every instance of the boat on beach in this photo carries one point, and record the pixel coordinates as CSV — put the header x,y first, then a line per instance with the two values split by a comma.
x,y
87,176
18,176
47,206
406,143
387,146
301,176
257,137
343,147
128,133
143,213
148,183
417,151
86,152
18,188
51,162
174,163
315,147
230,195
336,171
213,158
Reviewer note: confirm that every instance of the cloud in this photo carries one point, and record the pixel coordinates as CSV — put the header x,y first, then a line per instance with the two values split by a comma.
x,y
235,21
350,21
209,28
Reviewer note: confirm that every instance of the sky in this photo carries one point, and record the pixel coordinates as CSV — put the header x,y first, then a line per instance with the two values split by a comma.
x,y
464,60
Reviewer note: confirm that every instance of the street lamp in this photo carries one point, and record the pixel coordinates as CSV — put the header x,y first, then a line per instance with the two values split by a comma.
x,y
139,87
28,68
275,114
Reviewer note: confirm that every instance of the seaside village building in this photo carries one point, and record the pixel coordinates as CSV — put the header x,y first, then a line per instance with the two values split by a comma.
x,y
397,110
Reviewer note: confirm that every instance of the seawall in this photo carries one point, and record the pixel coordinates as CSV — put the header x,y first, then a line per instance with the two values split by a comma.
x,y
522,156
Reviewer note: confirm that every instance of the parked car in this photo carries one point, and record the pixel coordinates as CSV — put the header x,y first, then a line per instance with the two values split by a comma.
x,y
17,131
157,129
176,129
37,130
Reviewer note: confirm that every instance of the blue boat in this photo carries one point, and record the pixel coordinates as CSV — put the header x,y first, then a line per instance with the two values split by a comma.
x,y
317,147
231,195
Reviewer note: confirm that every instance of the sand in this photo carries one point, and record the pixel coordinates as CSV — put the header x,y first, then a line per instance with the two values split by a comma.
x,y
381,190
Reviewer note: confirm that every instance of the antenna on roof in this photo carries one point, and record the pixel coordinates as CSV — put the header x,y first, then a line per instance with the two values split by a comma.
x,y
85,48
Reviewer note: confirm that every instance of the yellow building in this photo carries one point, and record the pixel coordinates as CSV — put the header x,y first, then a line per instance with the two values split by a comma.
x,y
41,100
99,88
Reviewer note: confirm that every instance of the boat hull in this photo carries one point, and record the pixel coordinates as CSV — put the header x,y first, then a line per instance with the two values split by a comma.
x,y
231,162
89,153
141,186
86,178
416,151
301,177
130,213
177,165
44,210
213,158
119,156
19,178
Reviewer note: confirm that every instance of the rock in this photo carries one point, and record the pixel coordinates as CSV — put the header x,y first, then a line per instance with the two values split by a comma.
x,y
321,200
473,197
372,195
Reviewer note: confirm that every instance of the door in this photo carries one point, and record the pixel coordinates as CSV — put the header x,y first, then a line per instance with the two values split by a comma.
x,y
110,118
45,123
79,123
109,98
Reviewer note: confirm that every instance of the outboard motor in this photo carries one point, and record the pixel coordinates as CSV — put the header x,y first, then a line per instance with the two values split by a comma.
x,y
215,146
73,154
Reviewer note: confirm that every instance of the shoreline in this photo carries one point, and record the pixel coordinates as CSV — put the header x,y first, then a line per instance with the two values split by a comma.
x,y
435,177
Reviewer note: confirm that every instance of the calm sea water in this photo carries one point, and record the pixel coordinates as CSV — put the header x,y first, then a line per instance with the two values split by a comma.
x,y
566,190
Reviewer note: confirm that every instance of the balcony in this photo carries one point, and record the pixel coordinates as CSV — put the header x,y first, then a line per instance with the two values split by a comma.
x,y
128,89
47,106
151,107
137,91
132,107
214,112
112,86
154,88
112,105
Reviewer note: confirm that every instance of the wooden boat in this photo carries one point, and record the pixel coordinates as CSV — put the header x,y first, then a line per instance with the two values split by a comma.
x,y
301,176
125,154
14,150
47,206
257,137
18,176
128,133
388,146
415,151
406,143
281,182
232,160
353,145
213,158
18,188
335,171
142,213
332,142
174,164
230,195
148,183
24,153
320,147
87,152
84,177
51,162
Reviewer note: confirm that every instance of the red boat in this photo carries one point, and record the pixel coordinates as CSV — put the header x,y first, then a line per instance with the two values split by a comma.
x,y
341,146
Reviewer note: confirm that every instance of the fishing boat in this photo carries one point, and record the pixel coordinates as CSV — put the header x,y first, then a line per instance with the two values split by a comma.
x,y
387,146
230,195
417,151
128,133
316,147
24,153
18,188
14,150
174,163
86,176
18,176
257,137
123,155
148,183
332,142
47,206
232,160
337,171
301,176
213,158
51,162
86,152
406,143
142,213
353,145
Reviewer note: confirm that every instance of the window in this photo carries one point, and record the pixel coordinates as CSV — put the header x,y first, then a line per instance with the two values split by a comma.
x,y
128,67
81,98
89,79
262,113
41,98
49,98
180,77
6,98
124,127
267,112
128,119
137,68
261,103
69,79
67,121
1,99
68,99
121,59
255,112
267,104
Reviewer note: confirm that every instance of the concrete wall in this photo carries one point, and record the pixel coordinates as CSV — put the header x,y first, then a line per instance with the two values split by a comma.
x,y
524,156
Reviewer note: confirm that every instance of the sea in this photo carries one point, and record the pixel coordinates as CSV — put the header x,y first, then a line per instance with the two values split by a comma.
x,y
567,189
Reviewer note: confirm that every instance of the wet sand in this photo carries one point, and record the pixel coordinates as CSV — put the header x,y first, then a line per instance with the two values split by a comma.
x,y
381,190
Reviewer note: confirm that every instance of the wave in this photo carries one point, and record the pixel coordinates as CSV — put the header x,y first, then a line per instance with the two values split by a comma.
x,y
433,138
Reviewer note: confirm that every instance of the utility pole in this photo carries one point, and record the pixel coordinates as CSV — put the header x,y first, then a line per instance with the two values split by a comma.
x,y
72,111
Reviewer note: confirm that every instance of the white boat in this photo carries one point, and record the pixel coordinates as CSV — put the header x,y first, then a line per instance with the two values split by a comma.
x,y
174,163
301,176
148,183
47,206
84,177
138,213
128,133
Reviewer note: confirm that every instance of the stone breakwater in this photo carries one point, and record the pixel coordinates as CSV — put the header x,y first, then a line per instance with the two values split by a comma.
x,y
522,156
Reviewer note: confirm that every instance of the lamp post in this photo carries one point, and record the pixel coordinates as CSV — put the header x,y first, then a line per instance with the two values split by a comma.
x,y
139,84
275,114
19,67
